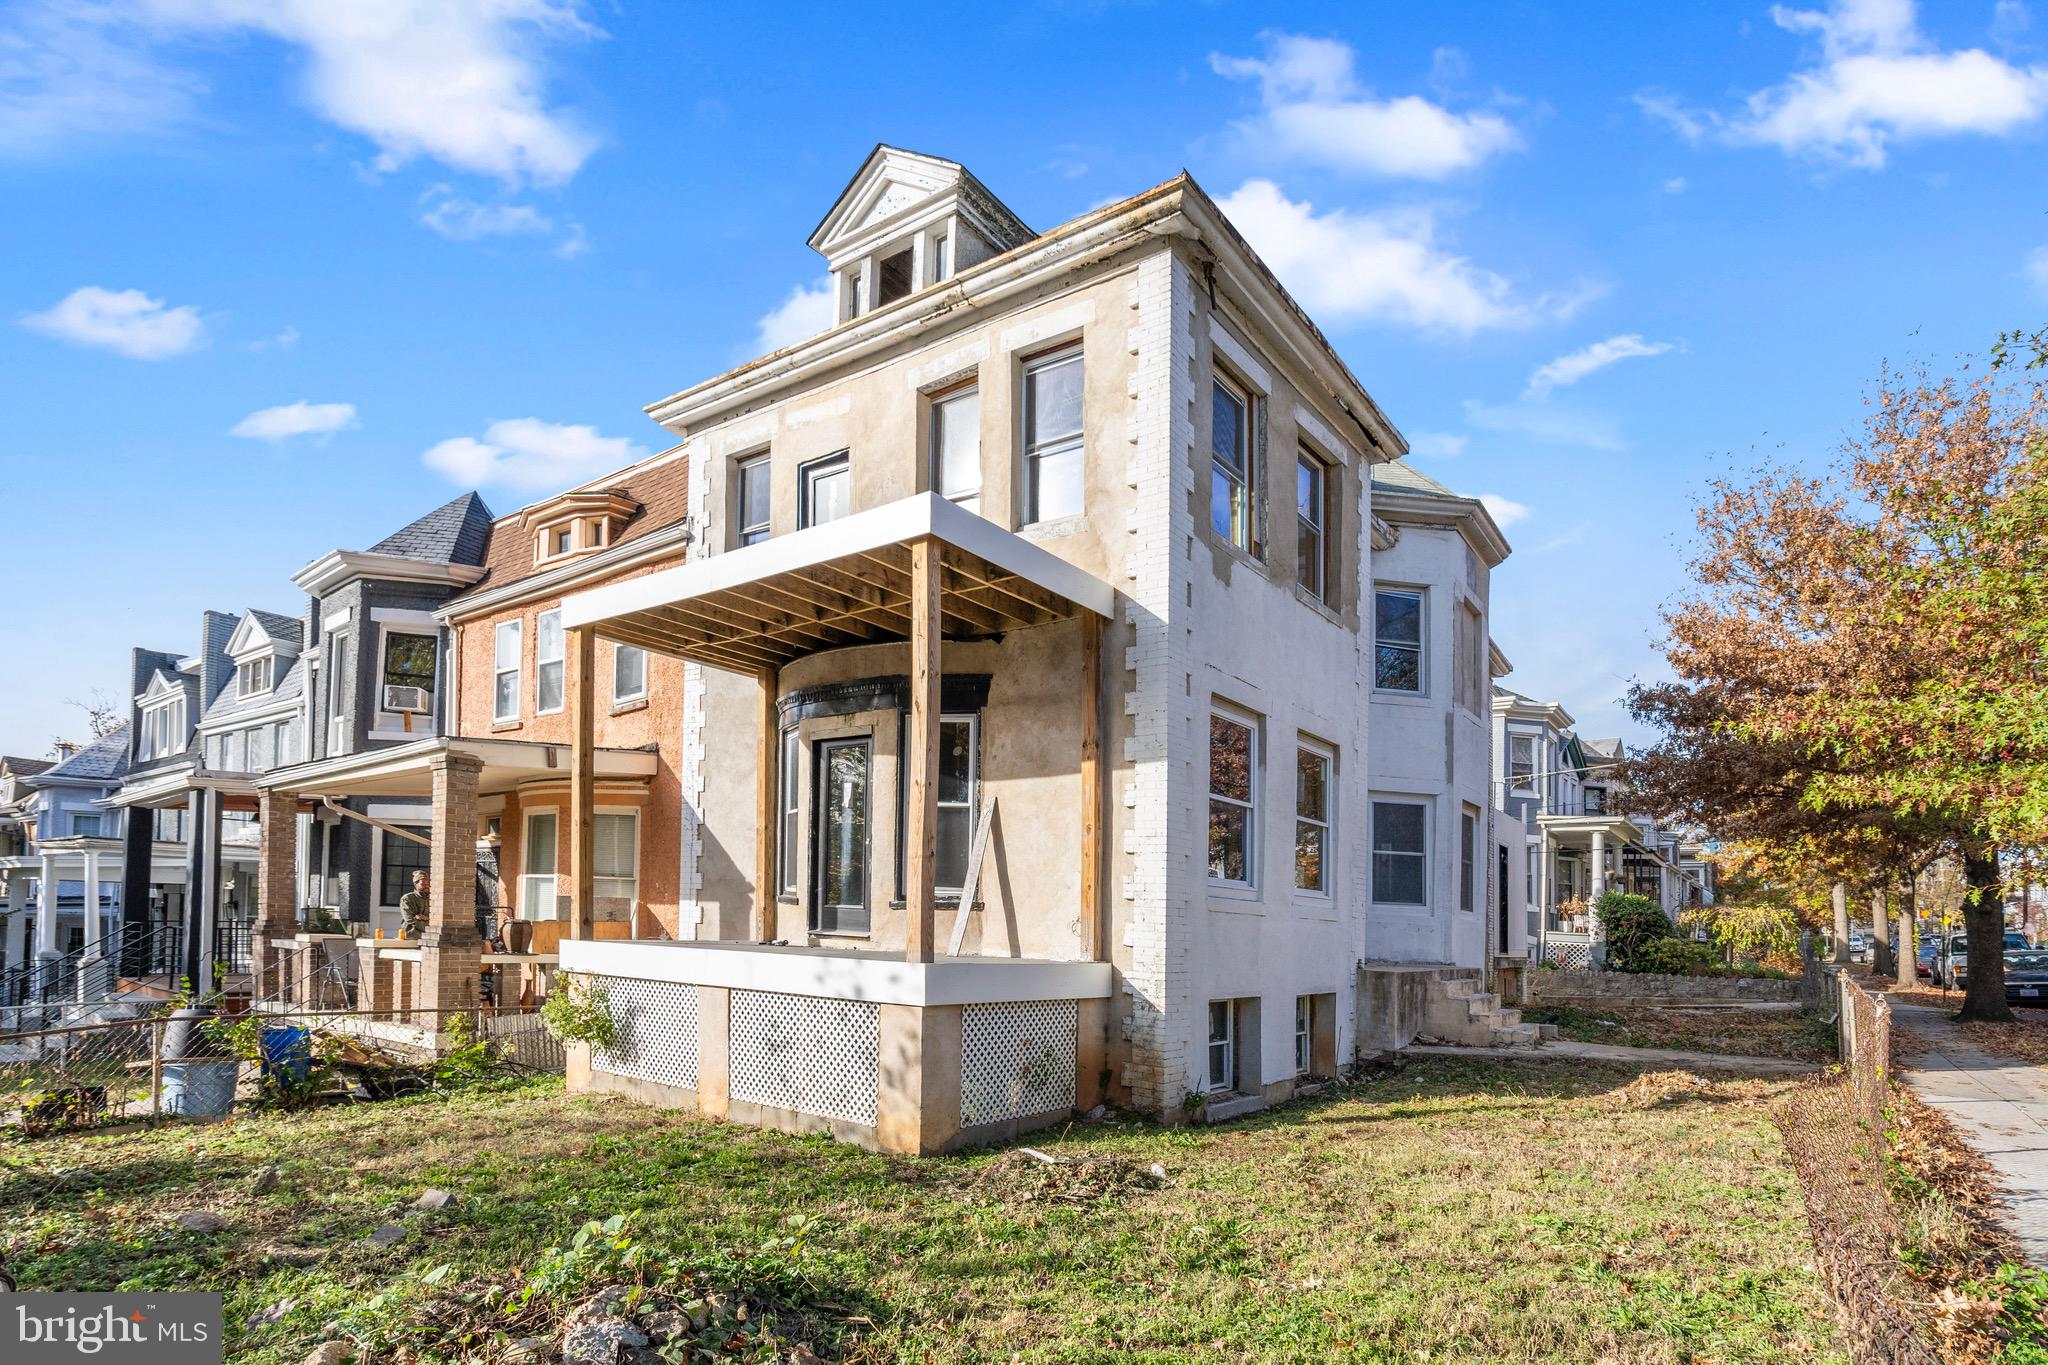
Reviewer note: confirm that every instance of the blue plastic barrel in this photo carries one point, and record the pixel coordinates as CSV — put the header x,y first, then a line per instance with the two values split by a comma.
x,y
289,1049
200,1090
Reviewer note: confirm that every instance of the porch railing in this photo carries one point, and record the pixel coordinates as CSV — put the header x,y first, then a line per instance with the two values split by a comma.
x,y
232,944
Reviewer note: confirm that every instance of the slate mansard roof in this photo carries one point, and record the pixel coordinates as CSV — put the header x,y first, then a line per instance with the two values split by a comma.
x,y
457,532
103,760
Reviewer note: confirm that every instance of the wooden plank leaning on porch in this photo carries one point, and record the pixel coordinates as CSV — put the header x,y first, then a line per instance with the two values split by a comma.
x,y
582,784
922,740
765,766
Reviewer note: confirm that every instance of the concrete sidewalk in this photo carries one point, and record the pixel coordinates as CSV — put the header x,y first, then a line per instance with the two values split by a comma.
x,y
1999,1104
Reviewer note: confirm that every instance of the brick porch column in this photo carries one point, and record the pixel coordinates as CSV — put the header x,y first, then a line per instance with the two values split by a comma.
x,y
451,952
277,905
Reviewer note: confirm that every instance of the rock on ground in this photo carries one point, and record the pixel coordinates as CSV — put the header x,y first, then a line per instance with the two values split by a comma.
x,y
265,1182
391,1234
200,1220
528,1351
328,1353
600,1342
433,1201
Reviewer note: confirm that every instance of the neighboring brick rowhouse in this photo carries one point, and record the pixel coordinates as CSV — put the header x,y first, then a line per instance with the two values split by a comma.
x,y
451,952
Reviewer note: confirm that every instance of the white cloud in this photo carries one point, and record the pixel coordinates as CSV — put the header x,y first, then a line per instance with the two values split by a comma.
x,y
2036,269
1437,445
73,71
125,321
465,220
805,313
1878,80
296,419
529,454
575,242
1348,266
462,82
283,341
1313,109
1505,511
1675,185
1546,424
1571,368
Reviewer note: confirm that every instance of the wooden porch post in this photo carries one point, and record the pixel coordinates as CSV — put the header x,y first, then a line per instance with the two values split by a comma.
x,y
1091,787
922,739
582,651
766,765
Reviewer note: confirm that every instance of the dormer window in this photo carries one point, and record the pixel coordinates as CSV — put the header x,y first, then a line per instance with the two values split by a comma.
x,y
940,253
564,539
576,523
894,278
253,677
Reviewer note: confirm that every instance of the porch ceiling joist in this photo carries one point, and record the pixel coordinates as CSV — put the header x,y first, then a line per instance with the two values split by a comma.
x,y
846,583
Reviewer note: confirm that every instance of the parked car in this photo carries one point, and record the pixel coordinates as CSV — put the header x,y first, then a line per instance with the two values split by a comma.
x,y
2026,977
1952,965
1924,966
1859,946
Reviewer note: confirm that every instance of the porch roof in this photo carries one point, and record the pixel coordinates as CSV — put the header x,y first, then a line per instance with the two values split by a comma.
x,y
171,787
407,769
844,583
1577,827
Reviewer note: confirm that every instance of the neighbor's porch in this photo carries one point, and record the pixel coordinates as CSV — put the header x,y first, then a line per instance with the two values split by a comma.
x,y
854,1005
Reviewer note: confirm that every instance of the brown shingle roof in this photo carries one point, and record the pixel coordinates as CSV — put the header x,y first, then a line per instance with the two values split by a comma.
x,y
662,490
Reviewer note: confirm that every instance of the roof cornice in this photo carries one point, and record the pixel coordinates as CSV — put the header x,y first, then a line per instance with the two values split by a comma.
x,y
1468,516
337,567
551,582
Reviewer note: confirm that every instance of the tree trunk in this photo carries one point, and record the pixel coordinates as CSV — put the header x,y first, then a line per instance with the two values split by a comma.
x,y
1908,951
1984,923
1880,935
1840,895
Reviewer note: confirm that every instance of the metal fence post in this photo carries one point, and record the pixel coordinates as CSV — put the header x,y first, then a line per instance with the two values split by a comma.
x,y
156,1070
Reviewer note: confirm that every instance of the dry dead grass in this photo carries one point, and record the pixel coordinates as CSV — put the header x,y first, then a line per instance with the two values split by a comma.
x,y
1736,1032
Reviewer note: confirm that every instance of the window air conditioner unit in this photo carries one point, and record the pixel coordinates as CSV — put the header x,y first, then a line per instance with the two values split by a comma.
x,y
406,699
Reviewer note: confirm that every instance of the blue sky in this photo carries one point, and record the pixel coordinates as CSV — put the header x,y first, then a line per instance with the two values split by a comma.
x,y
272,282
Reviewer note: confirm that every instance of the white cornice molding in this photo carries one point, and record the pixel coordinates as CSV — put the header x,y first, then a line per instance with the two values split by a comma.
x,y
563,577
1467,516
338,567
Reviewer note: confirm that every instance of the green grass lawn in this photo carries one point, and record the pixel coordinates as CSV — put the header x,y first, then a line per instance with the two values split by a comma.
x,y
1469,1209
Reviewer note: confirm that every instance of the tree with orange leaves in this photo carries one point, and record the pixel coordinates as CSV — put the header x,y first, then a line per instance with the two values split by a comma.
x,y
1863,663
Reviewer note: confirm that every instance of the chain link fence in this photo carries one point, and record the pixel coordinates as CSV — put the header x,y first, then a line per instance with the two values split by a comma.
x,y
1866,1044
88,1075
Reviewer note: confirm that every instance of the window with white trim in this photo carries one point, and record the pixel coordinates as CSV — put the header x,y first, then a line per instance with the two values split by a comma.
x,y
537,882
959,783
337,690
505,671
253,677
1522,762
956,447
1222,1046
85,823
1312,765
615,854
788,807
629,674
1230,464
1400,853
1397,639
548,662
753,477
1233,799
824,490
1055,460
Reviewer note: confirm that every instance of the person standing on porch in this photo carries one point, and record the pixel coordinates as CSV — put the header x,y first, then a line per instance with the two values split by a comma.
x,y
413,906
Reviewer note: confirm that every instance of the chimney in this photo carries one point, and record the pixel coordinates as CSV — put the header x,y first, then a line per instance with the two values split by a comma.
x,y
216,669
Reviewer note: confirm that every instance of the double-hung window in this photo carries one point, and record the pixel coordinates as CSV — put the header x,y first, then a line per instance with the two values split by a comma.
x,y
1230,465
629,674
1055,462
754,493
548,662
253,677
1312,820
1222,1045
537,883
958,774
956,447
1233,799
615,855
786,829
1400,853
1397,640
1311,529
1522,762
824,490
505,675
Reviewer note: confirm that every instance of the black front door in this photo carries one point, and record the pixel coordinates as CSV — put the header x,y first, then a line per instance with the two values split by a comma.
x,y
1501,883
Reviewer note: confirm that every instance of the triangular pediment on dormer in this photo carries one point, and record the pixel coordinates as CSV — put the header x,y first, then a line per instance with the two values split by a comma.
x,y
264,632
161,685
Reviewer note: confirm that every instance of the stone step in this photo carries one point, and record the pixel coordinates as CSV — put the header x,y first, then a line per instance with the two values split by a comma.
x,y
1515,1035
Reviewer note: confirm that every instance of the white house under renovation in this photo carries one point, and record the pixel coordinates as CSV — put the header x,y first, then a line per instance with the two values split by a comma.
x,y
1063,719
